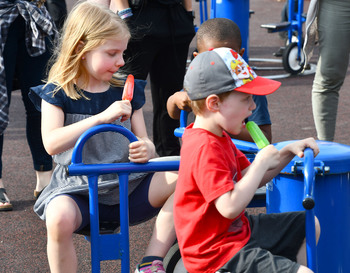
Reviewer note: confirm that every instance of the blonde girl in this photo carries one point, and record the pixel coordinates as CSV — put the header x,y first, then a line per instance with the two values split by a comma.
x,y
81,92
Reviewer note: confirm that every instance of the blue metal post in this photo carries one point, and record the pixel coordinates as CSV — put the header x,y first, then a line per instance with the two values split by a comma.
x,y
203,11
300,21
124,224
94,223
237,11
309,203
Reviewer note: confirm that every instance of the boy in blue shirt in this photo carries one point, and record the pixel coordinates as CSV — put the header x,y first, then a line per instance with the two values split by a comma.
x,y
222,32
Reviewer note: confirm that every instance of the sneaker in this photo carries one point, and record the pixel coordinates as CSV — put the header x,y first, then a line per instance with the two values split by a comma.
x,y
155,267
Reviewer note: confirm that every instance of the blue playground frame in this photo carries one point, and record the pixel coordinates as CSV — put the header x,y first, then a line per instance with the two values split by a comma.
x,y
115,245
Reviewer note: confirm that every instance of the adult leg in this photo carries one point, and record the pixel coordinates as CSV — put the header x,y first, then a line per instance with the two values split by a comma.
x,y
10,56
31,73
139,57
167,75
58,11
334,33
63,217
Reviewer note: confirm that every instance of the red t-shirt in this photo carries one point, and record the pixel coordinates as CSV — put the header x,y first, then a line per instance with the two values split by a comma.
x,y
209,167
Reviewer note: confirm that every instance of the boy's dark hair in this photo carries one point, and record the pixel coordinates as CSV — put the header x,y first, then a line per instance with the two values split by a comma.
x,y
219,29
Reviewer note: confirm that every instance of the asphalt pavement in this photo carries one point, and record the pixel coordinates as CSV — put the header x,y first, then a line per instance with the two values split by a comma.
x,y
23,234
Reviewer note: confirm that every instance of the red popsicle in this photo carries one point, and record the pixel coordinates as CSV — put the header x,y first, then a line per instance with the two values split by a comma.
x,y
128,91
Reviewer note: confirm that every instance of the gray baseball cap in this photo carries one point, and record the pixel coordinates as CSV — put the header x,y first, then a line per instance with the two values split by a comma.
x,y
221,70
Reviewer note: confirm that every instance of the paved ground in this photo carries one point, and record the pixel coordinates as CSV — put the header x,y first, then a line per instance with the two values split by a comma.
x,y
23,234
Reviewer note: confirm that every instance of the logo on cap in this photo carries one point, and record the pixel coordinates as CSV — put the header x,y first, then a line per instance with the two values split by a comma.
x,y
239,69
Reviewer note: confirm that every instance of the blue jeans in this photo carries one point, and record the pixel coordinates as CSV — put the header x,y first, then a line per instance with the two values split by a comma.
x,y
30,71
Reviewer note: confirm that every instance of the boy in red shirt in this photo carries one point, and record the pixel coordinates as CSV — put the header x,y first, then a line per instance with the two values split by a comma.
x,y
216,181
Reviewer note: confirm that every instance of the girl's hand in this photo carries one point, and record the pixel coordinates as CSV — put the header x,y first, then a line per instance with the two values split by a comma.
x,y
298,147
118,109
139,151
269,156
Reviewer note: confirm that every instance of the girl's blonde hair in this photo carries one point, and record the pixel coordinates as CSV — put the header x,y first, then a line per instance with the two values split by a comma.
x,y
87,27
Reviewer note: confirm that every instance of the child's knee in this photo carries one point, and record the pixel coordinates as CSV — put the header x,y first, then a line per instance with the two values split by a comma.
x,y
61,221
60,224
304,269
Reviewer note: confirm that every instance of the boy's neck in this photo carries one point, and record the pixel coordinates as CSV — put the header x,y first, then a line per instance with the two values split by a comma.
x,y
208,123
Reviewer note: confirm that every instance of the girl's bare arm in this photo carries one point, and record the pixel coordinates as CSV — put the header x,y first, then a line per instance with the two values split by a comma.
x,y
58,138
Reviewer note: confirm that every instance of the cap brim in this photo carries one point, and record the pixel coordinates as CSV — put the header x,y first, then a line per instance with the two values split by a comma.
x,y
259,86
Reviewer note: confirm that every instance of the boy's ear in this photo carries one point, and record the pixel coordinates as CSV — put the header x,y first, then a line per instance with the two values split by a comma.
x,y
195,53
79,47
212,103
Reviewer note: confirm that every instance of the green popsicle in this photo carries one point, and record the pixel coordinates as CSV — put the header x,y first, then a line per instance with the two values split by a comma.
x,y
257,135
